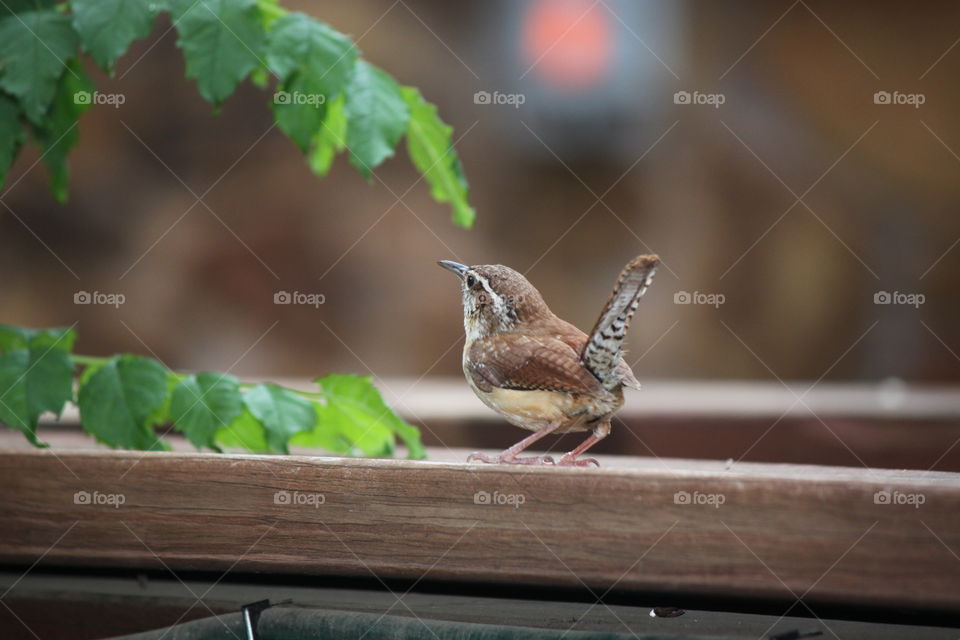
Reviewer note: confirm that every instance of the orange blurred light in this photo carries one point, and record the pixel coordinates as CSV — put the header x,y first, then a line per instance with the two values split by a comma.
x,y
568,42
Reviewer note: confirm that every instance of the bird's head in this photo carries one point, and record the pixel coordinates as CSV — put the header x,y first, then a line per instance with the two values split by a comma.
x,y
496,299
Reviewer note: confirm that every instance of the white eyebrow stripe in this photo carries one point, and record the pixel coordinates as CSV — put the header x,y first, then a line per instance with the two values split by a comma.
x,y
495,297
486,284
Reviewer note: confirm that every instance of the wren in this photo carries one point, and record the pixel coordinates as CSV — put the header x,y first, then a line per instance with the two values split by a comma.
x,y
538,371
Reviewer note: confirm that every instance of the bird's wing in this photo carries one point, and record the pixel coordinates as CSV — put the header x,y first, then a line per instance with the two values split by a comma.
x,y
525,362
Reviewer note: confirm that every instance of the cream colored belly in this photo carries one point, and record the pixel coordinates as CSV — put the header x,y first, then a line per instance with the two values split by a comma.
x,y
535,410
532,406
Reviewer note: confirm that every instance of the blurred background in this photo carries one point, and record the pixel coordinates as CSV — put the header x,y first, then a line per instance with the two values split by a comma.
x,y
795,164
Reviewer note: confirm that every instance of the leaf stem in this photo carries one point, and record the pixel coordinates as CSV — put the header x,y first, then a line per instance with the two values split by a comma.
x,y
270,10
88,361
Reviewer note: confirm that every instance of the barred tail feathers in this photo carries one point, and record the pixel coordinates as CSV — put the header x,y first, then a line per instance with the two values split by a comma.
x,y
602,352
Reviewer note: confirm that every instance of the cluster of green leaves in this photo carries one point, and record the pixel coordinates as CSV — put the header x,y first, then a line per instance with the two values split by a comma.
x,y
124,399
327,98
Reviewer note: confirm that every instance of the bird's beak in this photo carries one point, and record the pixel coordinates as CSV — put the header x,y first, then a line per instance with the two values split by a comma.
x,y
454,267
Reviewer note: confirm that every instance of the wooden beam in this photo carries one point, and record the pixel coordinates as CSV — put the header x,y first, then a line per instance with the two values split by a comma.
x,y
889,424
839,535
450,399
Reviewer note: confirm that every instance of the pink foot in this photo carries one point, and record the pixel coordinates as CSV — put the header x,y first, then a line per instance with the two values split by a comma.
x,y
567,460
507,459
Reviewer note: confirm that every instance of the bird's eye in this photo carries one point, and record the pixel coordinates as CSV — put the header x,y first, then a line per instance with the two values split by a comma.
x,y
471,281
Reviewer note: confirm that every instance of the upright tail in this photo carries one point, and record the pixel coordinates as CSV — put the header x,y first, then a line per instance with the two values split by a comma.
x,y
601,353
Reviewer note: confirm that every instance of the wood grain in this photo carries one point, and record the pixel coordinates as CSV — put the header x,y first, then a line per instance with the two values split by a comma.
x,y
782,531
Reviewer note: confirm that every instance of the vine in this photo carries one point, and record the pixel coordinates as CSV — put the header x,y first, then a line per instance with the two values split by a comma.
x,y
326,97
123,399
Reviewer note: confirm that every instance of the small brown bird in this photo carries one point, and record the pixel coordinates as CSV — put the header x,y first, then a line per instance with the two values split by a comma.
x,y
540,372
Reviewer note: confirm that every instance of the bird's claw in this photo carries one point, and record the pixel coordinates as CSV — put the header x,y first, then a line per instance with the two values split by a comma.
x,y
476,456
570,461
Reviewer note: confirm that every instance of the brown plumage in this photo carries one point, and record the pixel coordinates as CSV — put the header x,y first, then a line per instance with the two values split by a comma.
x,y
538,371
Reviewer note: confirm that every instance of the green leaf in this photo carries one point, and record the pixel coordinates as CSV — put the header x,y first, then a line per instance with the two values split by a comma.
x,y
270,12
122,401
299,43
430,146
376,117
245,432
11,134
282,412
59,133
331,138
107,27
10,7
364,418
221,41
12,337
204,403
325,434
314,62
14,410
260,77
34,49
161,415
58,337
88,371
36,377
299,108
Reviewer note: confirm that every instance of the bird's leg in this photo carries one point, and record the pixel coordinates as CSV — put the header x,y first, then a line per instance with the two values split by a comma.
x,y
599,433
510,455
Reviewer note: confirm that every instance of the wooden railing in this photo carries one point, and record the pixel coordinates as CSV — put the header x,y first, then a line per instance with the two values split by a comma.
x,y
825,534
